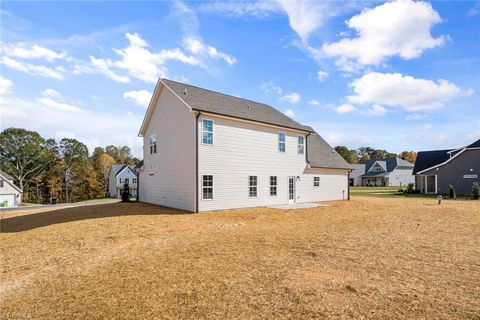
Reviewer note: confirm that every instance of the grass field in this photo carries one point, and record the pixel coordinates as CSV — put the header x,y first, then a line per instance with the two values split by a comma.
x,y
366,258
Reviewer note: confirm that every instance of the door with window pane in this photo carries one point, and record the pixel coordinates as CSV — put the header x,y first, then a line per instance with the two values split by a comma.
x,y
291,189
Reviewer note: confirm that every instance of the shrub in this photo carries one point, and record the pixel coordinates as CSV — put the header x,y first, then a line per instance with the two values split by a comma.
x,y
476,190
125,193
451,192
410,188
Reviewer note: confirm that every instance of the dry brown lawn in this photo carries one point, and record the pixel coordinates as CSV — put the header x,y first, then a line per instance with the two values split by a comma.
x,y
373,258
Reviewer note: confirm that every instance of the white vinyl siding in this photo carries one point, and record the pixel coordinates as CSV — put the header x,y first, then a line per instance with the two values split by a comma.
x,y
168,177
245,149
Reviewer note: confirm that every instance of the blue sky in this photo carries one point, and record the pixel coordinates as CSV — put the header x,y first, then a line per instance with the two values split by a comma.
x,y
400,75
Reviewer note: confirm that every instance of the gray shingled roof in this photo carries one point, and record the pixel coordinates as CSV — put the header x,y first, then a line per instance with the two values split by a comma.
x,y
6,175
358,170
210,101
428,159
391,163
320,153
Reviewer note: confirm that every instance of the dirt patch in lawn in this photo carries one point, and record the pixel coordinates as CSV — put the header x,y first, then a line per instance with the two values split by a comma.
x,y
394,258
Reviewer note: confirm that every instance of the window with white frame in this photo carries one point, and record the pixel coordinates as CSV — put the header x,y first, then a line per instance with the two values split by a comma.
x,y
281,141
252,186
207,187
301,145
152,141
207,129
134,180
316,181
273,185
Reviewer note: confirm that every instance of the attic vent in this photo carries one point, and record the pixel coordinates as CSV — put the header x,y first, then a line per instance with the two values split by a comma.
x,y
185,91
249,107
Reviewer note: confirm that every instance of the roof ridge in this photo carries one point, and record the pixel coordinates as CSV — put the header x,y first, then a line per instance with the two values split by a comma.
x,y
232,96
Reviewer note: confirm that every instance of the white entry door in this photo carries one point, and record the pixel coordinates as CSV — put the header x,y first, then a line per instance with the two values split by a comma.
x,y
291,189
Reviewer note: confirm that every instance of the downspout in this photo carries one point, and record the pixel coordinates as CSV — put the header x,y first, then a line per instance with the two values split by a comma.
x,y
138,185
348,191
306,147
196,163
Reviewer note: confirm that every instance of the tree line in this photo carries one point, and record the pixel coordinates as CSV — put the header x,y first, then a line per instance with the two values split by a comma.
x,y
363,154
63,170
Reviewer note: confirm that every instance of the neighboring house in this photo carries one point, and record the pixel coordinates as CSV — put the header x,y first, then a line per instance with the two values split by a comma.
x,y
205,150
435,170
119,175
9,192
356,174
387,172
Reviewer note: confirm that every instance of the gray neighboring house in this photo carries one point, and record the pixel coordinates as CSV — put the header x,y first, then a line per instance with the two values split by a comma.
x,y
387,172
356,174
435,170
119,175
9,192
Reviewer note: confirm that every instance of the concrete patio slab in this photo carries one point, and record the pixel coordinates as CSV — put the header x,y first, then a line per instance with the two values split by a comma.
x,y
298,206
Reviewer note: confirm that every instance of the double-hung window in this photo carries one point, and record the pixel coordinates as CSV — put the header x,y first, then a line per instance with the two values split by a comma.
x,y
281,141
127,180
252,186
207,129
207,187
134,180
316,181
301,145
273,185
152,141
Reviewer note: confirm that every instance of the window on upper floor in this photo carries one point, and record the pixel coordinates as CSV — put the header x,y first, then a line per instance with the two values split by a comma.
x,y
207,131
273,185
1,183
316,181
252,186
207,187
134,180
126,180
281,141
377,169
301,145
152,141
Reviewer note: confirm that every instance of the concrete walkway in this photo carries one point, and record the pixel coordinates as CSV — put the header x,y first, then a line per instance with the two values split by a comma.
x,y
298,206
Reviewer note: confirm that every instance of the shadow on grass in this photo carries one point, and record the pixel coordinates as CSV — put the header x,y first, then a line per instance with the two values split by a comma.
x,y
47,218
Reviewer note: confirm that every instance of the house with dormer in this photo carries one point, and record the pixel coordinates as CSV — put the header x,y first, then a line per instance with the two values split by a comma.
x,y
387,172
205,150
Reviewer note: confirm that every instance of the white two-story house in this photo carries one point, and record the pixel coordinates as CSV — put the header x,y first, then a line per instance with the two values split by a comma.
x,y
119,175
205,150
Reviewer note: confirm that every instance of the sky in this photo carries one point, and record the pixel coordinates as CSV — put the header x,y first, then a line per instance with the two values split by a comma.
x,y
399,75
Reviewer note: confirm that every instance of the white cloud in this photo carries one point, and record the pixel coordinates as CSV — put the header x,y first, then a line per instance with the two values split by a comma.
x,y
39,70
56,119
291,98
60,106
289,113
322,75
305,16
270,87
259,9
102,66
376,110
140,97
416,116
345,108
395,89
426,126
314,102
399,28
52,93
33,51
196,46
5,85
